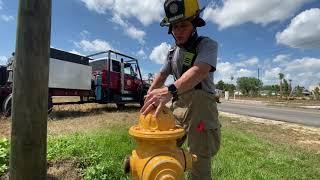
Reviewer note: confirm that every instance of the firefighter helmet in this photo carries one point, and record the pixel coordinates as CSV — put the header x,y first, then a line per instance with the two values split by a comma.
x,y
180,10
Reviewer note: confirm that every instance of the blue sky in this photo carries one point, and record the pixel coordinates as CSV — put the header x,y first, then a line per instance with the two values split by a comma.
x,y
274,36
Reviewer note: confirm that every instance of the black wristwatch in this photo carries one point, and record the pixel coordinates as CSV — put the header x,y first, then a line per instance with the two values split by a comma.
x,y
174,91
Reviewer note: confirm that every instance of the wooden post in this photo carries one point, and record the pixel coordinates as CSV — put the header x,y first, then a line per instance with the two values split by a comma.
x,y
30,91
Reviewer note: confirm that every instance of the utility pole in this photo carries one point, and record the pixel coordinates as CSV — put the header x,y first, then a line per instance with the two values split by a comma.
x,y
259,80
30,91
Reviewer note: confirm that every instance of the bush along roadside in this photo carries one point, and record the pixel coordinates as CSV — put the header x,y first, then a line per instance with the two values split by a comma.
x,y
4,155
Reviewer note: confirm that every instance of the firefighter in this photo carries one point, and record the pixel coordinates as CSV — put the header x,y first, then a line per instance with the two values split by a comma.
x,y
192,61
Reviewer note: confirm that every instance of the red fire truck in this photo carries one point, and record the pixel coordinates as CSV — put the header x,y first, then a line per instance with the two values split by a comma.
x,y
104,77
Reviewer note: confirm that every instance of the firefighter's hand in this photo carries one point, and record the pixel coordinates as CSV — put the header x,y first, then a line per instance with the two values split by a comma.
x,y
156,99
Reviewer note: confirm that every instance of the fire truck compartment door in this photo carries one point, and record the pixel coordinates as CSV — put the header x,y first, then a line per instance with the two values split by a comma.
x,y
68,75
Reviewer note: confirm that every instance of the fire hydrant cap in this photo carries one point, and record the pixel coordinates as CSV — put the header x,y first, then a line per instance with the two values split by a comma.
x,y
163,122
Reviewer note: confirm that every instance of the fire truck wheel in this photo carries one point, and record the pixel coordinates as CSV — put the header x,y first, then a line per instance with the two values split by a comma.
x,y
120,106
141,100
50,105
6,106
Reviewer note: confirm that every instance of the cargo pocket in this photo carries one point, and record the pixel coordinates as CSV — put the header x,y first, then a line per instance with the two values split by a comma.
x,y
215,140
205,143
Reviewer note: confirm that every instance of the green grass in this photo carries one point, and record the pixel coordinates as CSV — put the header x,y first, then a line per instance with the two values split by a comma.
x,y
242,156
100,154
4,155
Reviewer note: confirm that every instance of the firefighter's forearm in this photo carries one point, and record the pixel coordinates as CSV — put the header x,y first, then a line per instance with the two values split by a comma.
x,y
192,77
158,81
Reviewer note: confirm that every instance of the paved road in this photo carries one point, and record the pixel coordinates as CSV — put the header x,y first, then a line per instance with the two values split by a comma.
x,y
310,117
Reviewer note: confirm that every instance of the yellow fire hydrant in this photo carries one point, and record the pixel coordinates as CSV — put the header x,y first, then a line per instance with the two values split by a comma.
x,y
157,156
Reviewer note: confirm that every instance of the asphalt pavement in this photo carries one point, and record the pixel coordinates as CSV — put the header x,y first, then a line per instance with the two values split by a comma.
x,y
309,117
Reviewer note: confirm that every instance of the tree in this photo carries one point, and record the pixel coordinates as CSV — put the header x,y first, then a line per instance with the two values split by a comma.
x,y
249,85
299,90
230,87
220,85
268,89
281,75
316,92
290,85
286,88
225,86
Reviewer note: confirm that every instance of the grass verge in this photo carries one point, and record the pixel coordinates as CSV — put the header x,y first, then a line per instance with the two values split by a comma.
x,y
243,155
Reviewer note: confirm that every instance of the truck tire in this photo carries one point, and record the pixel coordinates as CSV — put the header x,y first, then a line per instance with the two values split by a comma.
x,y
6,105
120,106
50,105
141,97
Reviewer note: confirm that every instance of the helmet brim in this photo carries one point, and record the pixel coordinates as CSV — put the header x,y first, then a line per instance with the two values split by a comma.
x,y
198,22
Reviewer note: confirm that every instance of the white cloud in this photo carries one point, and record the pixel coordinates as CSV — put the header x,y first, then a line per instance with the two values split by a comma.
x,y
146,11
135,33
245,73
305,64
130,30
225,70
7,18
271,76
303,31
281,58
84,34
236,12
304,72
93,46
75,52
3,59
141,54
250,62
159,53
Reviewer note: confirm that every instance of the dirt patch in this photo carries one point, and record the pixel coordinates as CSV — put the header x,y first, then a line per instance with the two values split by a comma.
x,y
64,170
5,127
81,118
60,170
276,131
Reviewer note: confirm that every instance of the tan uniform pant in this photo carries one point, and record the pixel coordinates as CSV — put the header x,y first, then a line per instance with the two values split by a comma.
x,y
196,111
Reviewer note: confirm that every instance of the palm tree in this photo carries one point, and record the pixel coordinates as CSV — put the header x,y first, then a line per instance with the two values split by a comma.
x,y
290,89
281,76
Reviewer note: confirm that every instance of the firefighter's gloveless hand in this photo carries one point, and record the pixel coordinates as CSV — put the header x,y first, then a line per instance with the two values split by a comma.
x,y
156,99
